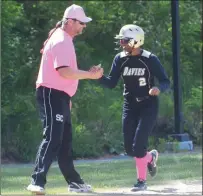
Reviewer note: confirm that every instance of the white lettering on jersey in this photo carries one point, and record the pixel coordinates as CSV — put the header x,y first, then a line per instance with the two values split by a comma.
x,y
133,71
125,71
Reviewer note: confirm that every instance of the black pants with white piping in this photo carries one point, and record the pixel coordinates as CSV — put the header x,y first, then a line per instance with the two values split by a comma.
x,y
138,121
54,109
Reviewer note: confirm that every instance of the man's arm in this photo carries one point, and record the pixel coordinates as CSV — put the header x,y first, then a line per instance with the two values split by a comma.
x,y
63,64
69,73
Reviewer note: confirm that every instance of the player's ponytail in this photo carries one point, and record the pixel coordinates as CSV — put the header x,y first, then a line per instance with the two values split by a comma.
x,y
58,24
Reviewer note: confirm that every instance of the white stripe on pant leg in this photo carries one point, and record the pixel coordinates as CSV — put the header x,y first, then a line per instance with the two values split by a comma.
x,y
45,111
51,126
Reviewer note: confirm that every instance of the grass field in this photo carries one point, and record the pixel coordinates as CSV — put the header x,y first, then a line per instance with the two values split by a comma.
x,y
104,175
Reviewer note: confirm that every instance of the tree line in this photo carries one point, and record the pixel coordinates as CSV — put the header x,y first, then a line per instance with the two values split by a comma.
x,y
96,112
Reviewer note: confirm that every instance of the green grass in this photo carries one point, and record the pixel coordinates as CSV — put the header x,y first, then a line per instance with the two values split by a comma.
x,y
118,173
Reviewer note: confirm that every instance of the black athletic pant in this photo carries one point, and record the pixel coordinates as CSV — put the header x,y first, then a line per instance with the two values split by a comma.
x,y
54,109
138,120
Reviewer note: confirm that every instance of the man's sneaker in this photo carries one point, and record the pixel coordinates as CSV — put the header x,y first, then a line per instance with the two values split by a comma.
x,y
152,165
76,187
140,186
36,189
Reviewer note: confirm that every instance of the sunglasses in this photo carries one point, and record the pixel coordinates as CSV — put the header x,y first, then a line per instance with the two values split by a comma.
x,y
81,23
124,41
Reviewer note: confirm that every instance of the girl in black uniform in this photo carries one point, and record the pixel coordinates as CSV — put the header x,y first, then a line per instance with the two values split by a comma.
x,y
138,68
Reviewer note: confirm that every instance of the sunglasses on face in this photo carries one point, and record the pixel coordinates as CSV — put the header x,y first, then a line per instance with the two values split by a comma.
x,y
81,23
124,41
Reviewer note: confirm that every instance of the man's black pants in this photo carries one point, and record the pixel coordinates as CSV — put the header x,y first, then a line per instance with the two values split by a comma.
x,y
139,119
54,109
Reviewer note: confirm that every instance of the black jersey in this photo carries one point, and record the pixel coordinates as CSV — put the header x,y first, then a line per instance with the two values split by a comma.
x,y
138,73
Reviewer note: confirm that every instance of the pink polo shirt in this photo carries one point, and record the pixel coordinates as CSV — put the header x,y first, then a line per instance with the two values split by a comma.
x,y
59,51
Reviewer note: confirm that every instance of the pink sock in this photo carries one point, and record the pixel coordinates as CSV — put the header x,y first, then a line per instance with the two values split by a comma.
x,y
141,166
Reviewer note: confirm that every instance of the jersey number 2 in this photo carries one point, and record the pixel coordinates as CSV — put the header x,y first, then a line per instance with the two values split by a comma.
x,y
142,81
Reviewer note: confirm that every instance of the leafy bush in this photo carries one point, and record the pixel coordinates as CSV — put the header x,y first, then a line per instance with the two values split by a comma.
x,y
193,115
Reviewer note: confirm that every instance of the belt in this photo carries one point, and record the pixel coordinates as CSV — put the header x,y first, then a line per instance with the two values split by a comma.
x,y
139,99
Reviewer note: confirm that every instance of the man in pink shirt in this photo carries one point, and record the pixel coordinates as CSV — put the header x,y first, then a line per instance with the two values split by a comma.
x,y
57,82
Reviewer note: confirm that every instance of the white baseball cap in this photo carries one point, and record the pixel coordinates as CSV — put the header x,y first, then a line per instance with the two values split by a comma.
x,y
76,12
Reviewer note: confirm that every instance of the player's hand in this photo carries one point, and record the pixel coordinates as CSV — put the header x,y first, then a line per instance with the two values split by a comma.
x,y
154,91
70,104
96,72
95,68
